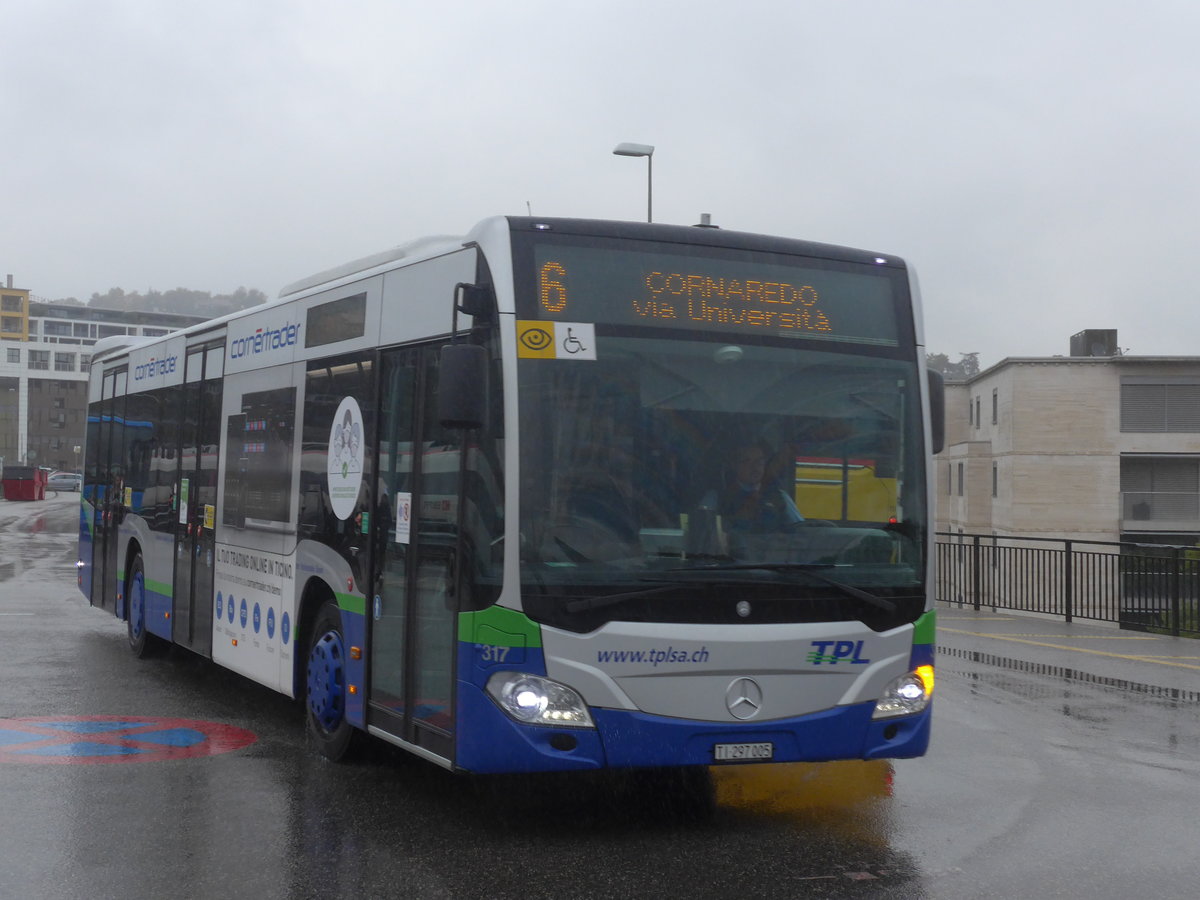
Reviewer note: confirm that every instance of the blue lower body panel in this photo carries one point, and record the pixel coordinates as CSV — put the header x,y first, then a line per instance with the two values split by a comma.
x,y
846,732
491,742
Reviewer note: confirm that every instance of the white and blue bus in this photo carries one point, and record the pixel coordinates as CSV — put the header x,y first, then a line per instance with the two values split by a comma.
x,y
483,498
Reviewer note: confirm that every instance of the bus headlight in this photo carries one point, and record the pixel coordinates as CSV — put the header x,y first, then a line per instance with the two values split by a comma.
x,y
538,701
906,695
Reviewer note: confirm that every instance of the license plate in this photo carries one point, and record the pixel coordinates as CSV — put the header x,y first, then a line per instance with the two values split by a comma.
x,y
732,752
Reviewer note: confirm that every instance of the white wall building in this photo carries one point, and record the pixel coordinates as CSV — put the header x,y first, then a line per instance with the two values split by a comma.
x,y
44,361
1082,447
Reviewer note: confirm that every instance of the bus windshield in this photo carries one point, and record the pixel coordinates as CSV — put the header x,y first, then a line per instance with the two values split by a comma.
x,y
667,479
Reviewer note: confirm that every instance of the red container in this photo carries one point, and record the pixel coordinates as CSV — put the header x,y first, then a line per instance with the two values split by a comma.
x,y
24,483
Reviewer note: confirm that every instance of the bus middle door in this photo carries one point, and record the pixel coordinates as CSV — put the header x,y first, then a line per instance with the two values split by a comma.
x,y
200,440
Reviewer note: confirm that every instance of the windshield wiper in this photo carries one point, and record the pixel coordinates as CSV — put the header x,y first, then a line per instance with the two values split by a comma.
x,y
601,600
806,568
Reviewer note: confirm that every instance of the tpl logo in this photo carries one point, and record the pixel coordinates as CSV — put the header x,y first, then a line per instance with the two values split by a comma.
x,y
842,652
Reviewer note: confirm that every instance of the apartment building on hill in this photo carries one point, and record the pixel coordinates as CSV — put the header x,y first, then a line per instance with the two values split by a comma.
x,y
44,362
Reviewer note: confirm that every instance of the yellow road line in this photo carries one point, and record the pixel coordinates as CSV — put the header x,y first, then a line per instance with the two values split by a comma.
x,y
1001,637
1091,637
1173,657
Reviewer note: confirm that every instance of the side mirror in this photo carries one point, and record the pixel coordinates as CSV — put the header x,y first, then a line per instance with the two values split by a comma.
x,y
937,410
462,387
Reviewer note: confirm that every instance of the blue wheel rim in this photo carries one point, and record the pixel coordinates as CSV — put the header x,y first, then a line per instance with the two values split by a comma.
x,y
327,681
137,606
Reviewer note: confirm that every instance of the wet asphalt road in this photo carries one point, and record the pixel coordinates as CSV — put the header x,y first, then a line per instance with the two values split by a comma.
x,y
1065,763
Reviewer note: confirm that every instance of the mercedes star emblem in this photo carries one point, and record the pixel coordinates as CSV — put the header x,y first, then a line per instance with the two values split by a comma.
x,y
743,698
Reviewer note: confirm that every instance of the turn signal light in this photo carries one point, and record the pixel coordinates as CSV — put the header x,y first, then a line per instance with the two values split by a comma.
x,y
925,673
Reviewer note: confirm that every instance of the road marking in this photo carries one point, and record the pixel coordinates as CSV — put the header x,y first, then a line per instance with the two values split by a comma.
x,y
1091,637
1001,637
76,740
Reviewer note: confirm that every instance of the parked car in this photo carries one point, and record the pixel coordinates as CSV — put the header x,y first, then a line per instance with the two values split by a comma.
x,y
64,481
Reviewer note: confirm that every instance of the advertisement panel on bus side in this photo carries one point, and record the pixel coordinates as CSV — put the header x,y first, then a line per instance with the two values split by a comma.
x,y
157,365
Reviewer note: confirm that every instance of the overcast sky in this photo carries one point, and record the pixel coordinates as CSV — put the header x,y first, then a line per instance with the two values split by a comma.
x,y
1037,162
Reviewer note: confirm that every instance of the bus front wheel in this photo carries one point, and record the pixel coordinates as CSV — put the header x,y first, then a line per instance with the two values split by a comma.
x,y
325,692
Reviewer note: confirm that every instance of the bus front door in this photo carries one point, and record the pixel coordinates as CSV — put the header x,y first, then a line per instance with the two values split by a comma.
x,y
109,491
413,616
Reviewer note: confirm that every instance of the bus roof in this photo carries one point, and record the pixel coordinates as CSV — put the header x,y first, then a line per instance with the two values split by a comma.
x,y
419,248
702,235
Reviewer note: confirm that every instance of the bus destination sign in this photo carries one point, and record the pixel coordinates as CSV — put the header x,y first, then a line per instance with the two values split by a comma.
x,y
733,293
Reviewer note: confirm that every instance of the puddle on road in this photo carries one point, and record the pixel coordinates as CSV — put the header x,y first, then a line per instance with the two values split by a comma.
x,y
1066,673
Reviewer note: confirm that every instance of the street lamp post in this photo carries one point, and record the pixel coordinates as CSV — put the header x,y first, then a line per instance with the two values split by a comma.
x,y
647,151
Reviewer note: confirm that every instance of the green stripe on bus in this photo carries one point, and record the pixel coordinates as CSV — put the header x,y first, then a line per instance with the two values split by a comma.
x,y
923,628
503,627
160,587
352,603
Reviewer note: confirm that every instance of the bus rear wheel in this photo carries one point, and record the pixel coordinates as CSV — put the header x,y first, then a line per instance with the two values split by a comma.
x,y
325,692
141,641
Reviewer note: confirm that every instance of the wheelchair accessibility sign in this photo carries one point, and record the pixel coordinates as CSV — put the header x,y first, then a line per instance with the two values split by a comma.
x,y
555,340
87,740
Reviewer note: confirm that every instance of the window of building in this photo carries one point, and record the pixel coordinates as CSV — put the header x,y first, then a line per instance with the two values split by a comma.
x,y
970,411
1159,488
10,324
85,362
80,329
111,330
58,329
978,415
64,362
11,303
995,480
14,354
1160,405
960,479
39,359
995,406
949,479
154,332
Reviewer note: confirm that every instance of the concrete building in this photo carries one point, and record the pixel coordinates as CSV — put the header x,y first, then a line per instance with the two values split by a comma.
x,y
1092,446
44,363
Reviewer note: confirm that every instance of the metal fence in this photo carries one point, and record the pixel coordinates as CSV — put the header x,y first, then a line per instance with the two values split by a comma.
x,y
1139,586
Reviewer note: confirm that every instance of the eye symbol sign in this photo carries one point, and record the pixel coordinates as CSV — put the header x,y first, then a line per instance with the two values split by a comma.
x,y
536,338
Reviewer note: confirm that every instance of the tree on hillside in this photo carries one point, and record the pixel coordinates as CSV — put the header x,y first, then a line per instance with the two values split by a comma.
x,y
966,367
179,300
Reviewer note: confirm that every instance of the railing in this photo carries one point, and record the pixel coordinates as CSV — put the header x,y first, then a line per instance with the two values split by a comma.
x,y
1140,586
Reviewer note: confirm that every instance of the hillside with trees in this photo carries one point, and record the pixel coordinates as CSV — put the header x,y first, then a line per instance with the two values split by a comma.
x,y
178,300
966,367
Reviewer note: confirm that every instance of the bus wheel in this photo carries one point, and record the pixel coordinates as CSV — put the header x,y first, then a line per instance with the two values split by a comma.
x,y
141,641
325,695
